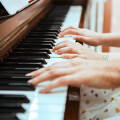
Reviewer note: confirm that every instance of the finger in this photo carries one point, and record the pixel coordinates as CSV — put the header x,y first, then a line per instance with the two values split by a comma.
x,y
71,27
65,50
69,31
69,56
72,79
55,66
39,71
65,41
61,45
66,64
62,81
49,75
81,39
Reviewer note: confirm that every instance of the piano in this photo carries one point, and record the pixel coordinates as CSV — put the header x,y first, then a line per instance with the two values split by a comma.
x,y
26,40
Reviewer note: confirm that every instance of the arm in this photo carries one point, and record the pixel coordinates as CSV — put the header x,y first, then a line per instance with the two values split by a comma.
x,y
110,39
114,56
96,74
93,38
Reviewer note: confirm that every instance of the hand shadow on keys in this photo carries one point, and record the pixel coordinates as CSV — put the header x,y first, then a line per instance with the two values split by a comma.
x,y
54,91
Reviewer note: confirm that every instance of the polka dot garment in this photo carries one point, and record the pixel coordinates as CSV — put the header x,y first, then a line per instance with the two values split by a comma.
x,y
99,104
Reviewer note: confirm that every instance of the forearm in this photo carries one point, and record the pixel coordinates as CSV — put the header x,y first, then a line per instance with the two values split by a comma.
x,y
114,56
113,74
110,39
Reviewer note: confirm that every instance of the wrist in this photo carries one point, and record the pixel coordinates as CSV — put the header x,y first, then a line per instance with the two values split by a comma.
x,y
102,38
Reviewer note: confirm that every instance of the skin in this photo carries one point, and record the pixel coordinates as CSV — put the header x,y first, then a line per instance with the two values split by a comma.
x,y
92,38
82,35
91,73
69,50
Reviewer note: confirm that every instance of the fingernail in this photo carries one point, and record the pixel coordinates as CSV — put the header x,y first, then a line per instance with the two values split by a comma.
x,y
28,74
42,91
30,81
55,52
63,56
60,36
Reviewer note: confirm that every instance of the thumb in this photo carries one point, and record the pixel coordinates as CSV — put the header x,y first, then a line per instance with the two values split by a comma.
x,y
81,39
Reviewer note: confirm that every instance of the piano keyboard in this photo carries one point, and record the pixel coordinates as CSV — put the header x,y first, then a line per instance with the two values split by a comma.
x,y
20,100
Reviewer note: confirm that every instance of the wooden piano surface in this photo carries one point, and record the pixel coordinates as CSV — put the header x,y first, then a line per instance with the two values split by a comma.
x,y
15,28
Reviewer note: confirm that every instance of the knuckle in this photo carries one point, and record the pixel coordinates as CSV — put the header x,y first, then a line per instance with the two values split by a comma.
x,y
66,44
70,26
70,49
66,41
66,56
62,81
54,72
48,68
70,30
59,51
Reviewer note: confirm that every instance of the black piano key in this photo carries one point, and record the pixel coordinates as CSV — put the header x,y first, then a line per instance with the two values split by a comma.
x,y
50,19
48,27
11,107
39,39
9,98
31,54
14,79
8,116
15,65
55,18
41,33
41,25
23,63
42,36
17,86
13,72
38,42
19,68
32,49
50,23
45,30
35,46
15,59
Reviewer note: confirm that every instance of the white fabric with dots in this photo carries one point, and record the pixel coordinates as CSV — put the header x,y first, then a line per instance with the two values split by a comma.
x,y
99,104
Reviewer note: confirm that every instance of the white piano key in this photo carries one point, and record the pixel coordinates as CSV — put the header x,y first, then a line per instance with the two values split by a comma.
x,y
43,116
53,55
49,106
73,17
54,60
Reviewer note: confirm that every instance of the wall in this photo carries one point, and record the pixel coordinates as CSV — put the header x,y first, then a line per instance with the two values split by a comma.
x,y
115,26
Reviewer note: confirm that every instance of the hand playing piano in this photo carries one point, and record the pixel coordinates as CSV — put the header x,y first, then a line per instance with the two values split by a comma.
x,y
69,50
83,35
98,74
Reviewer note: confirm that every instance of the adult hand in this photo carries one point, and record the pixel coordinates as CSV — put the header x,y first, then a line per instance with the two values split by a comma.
x,y
70,50
78,72
83,35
